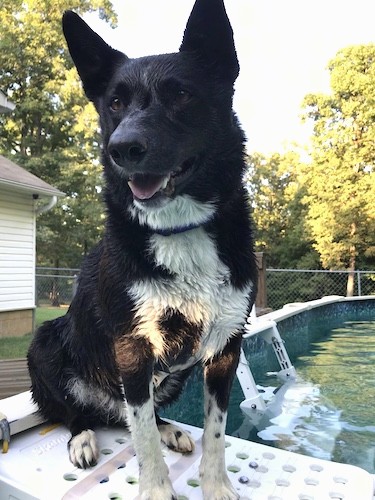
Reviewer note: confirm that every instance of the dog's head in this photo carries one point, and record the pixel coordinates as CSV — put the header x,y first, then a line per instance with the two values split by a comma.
x,y
165,119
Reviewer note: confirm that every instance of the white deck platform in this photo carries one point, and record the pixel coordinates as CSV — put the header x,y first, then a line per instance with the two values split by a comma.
x,y
37,467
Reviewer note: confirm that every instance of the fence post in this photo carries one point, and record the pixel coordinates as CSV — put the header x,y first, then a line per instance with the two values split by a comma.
x,y
261,298
359,283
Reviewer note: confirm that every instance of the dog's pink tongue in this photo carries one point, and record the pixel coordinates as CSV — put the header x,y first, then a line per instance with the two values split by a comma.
x,y
144,186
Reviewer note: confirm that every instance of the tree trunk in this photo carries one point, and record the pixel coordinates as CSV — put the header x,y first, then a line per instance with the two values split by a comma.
x,y
350,284
54,294
351,274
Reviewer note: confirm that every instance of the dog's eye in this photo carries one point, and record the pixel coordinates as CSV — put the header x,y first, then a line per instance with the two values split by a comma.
x,y
115,103
183,96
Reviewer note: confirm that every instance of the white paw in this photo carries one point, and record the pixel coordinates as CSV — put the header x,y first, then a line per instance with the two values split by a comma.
x,y
162,491
176,439
215,483
83,449
219,490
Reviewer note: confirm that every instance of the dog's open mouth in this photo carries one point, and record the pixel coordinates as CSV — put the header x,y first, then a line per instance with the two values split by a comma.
x,y
147,186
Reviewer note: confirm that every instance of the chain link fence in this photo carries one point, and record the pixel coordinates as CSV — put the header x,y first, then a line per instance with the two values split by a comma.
x,y
56,286
294,285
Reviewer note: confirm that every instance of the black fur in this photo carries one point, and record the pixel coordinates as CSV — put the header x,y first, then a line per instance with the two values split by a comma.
x,y
159,115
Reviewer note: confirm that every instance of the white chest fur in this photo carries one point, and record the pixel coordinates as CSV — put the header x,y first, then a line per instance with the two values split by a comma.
x,y
200,290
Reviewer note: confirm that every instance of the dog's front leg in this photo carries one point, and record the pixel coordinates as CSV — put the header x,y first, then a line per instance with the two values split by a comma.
x,y
219,374
135,360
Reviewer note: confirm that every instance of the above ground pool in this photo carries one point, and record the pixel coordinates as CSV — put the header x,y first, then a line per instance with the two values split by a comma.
x,y
329,410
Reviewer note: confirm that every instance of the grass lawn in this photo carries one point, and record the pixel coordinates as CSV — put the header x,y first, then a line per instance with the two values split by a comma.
x,y
16,347
43,314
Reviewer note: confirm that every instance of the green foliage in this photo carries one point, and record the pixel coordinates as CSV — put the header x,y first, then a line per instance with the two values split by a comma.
x,y
322,213
278,212
53,131
340,182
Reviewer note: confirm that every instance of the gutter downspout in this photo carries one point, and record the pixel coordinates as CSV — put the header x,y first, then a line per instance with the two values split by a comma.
x,y
40,210
52,202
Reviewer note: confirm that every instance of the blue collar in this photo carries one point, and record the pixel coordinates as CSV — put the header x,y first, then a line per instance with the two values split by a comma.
x,y
180,229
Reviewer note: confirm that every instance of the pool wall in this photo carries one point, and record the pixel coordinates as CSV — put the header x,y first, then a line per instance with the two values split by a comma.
x,y
294,322
299,325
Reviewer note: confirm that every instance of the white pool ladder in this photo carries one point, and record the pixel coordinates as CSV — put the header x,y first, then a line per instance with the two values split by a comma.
x,y
254,405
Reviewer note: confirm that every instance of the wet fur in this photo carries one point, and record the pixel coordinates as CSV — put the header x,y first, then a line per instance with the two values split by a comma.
x,y
172,281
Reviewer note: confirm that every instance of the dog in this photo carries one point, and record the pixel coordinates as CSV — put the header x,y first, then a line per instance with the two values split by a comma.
x,y
173,280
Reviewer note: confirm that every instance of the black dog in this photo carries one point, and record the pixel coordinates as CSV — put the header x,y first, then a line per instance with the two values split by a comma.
x,y
174,278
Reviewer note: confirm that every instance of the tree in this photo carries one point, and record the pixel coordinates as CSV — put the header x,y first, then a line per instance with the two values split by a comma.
x,y
276,197
53,131
340,181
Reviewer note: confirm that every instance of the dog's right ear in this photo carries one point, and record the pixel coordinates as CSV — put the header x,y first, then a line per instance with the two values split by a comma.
x,y
94,59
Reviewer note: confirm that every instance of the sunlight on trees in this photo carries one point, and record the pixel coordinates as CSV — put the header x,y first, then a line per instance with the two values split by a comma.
x,y
312,214
340,182
53,131
276,194
324,209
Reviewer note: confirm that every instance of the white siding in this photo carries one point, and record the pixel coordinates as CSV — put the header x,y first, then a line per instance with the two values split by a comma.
x,y
17,250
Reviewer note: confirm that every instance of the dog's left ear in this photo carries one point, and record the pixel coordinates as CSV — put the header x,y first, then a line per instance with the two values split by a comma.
x,y
209,34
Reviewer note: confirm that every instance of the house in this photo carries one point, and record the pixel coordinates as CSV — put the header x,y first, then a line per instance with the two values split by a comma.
x,y
19,192
5,105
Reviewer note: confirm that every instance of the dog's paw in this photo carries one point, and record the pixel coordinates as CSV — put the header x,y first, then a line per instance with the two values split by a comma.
x,y
222,490
215,483
162,491
83,449
175,438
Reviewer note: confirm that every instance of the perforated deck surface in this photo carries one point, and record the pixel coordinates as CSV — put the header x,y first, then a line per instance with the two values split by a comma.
x,y
37,467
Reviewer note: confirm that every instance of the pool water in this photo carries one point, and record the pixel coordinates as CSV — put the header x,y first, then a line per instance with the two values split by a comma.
x,y
329,411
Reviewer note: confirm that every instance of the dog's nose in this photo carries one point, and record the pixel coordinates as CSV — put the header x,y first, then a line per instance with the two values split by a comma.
x,y
131,150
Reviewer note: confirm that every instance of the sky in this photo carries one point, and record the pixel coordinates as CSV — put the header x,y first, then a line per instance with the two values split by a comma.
x,y
283,47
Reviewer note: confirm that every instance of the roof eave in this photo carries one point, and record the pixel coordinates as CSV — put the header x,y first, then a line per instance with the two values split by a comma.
x,y
27,188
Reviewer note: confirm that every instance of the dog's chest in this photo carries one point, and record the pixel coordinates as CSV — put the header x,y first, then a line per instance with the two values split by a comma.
x,y
200,292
